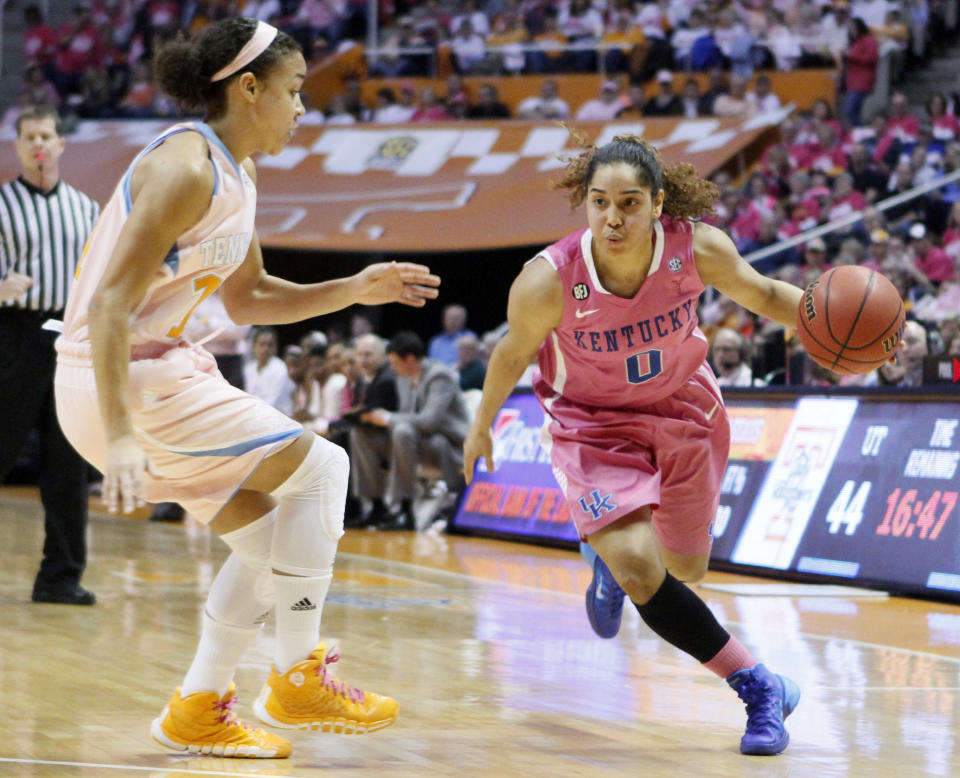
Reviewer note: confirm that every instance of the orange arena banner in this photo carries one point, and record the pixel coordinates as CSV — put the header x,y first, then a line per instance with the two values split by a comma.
x,y
414,188
756,432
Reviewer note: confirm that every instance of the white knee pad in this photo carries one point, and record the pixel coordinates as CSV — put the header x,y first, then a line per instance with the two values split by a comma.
x,y
310,513
240,595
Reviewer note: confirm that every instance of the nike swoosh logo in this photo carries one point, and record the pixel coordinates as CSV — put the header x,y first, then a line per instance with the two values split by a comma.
x,y
713,410
581,314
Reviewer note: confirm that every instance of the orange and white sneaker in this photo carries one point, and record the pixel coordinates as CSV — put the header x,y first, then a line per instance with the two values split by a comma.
x,y
307,697
203,723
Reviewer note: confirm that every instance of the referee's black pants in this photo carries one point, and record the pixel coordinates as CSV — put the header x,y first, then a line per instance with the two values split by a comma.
x,y
27,364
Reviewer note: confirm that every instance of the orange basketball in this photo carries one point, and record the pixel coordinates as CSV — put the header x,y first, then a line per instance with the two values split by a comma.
x,y
850,319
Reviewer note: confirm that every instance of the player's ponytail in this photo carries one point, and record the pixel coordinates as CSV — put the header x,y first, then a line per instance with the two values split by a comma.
x,y
183,67
686,195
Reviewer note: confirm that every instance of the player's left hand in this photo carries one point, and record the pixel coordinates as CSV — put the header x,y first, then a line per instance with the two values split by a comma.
x,y
396,282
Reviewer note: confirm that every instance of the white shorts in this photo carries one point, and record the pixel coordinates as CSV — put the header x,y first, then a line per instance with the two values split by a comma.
x,y
202,436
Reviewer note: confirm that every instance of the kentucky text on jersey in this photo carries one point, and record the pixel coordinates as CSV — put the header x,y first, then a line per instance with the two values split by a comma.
x,y
224,249
643,332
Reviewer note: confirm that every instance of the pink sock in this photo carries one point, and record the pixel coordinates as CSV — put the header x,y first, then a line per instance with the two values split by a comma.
x,y
732,657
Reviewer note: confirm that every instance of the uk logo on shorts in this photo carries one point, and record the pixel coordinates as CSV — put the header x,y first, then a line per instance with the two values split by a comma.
x,y
598,505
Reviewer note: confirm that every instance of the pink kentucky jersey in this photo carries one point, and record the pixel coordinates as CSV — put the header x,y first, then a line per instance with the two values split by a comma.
x,y
194,267
612,352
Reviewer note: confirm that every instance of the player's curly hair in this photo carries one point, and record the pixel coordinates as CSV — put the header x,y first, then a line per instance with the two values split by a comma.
x,y
685,194
183,66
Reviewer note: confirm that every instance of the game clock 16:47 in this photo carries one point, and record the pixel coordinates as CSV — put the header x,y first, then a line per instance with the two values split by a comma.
x,y
908,513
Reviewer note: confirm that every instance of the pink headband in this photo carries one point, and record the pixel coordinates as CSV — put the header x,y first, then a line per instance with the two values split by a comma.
x,y
252,49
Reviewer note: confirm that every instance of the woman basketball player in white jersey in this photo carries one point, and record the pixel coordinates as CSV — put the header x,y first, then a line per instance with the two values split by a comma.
x,y
635,423
152,413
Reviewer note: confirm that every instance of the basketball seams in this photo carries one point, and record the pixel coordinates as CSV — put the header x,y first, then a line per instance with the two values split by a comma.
x,y
853,326
819,337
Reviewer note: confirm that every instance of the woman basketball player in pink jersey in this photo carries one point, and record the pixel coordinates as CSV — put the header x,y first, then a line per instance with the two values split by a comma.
x,y
153,414
636,427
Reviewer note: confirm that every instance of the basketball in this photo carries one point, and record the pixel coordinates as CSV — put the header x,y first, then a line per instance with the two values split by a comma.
x,y
850,320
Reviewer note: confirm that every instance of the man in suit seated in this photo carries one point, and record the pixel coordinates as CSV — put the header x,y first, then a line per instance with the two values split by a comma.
x,y
370,443
429,426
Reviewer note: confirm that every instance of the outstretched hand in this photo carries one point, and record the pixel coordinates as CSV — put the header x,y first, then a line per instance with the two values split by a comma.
x,y
479,443
397,282
123,478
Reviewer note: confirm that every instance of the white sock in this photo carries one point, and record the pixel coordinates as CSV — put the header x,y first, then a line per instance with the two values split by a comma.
x,y
299,604
220,649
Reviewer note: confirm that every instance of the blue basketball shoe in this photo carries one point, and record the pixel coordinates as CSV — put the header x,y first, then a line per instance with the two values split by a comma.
x,y
770,698
604,596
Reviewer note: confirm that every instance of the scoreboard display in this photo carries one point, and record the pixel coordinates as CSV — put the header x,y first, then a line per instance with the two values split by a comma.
x,y
861,490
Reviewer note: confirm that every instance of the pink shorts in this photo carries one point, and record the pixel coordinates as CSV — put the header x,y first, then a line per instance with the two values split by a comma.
x,y
670,455
202,436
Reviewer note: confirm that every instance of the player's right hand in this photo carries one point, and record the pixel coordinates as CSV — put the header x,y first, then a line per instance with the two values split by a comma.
x,y
479,443
14,286
123,480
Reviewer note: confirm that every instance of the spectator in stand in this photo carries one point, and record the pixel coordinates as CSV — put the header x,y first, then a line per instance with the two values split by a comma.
x,y
932,261
36,90
729,353
509,37
459,106
39,43
867,177
80,47
550,42
316,19
814,260
443,345
826,154
489,105
684,36
665,102
902,215
478,20
734,103
690,99
139,101
96,96
902,123
893,38
603,108
946,127
627,41
337,112
876,253
388,110
845,199
882,141
470,368
827,48
581,24
951,236
353,98
950,334
859,69
636,103
548,105
762,98
716,86
469,49
265,376
429,109
908,370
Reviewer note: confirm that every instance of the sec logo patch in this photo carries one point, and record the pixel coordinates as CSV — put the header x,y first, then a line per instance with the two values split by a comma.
x,y
675,264
581,291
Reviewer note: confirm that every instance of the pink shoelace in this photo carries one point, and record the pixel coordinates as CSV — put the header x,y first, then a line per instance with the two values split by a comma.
x,y
227,715
338,687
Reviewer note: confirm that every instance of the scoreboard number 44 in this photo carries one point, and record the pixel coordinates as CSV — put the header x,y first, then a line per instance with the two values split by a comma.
x,y
847,509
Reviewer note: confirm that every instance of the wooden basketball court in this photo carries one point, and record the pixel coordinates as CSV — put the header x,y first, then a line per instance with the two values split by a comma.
x,y
486,646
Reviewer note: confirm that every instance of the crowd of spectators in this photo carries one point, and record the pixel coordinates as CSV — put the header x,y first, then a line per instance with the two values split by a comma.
x,y
361,389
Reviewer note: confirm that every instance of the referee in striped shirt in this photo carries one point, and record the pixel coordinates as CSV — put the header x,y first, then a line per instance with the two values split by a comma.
x,y
44,225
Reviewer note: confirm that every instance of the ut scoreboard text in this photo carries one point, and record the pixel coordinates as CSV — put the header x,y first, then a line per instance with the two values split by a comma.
x,y
856,489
